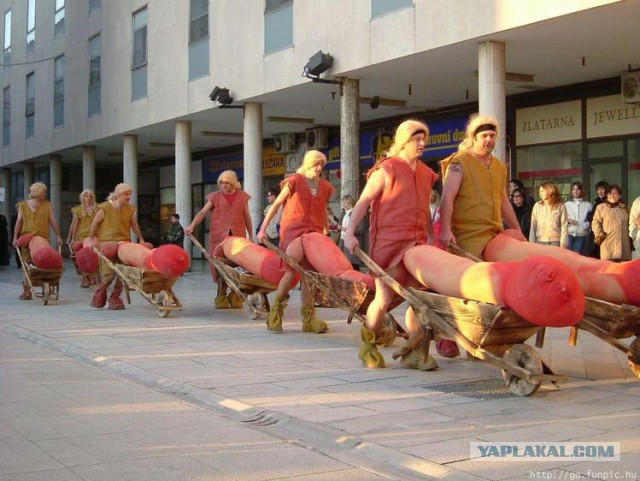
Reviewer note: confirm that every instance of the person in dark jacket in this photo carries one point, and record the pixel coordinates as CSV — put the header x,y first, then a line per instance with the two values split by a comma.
x,y
523,211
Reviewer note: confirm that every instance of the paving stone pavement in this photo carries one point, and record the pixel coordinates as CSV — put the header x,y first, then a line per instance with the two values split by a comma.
x,y
204,394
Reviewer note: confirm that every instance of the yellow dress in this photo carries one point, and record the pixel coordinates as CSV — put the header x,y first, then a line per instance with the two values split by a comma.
x,y
85,221
477,209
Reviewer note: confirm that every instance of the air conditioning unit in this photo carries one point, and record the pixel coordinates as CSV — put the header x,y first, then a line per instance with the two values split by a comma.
x,y
284,143
318,138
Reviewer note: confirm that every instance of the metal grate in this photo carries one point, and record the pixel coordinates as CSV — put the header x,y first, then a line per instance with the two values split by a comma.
x,y
486,389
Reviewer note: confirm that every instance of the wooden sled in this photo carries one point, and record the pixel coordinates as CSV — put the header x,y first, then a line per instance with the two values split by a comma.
x,y
156,289
252,289
492,333
46,279
334,292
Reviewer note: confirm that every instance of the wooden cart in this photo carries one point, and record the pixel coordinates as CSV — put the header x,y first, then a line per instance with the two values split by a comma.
x,y
334,292
47,279
610,322
252,289
486,331
151,285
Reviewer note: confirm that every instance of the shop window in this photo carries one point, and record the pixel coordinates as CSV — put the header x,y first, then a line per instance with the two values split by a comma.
x,y
382,7
278,25
559,163
633,159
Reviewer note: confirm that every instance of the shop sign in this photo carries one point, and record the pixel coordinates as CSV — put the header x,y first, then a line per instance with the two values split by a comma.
x,y
445,136
549,123
213,167
610,116
273,164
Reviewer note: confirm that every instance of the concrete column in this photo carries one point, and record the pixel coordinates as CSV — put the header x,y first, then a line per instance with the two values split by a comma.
x,y
55,191
350,138
27,169
7,205
253,160
89,167
491,86
183,176
130,167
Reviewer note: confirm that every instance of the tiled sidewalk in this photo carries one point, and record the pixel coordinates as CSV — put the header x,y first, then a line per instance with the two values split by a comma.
x,y
204,394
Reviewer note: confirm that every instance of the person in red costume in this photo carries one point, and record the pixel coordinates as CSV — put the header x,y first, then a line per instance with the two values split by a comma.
x,y
475,204
398,190
305,196
113,222
230,215
35,215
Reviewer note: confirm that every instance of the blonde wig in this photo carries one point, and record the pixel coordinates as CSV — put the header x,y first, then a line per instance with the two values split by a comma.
x,y
119,190
91,194
311,159
404,132
231,177
37,189
475,123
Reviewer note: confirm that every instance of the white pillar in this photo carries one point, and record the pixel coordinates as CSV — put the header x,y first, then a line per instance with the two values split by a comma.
x,y
183,176
491,86
130,167
89,167
253,160
55,191
7,206
27,170
350,138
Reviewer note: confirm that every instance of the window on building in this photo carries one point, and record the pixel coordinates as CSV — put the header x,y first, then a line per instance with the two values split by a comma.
x,y
30,105
278,25
58,92
31,25
198,39
139,58
58,18
95,56
382,7
95,5
6,57
6,116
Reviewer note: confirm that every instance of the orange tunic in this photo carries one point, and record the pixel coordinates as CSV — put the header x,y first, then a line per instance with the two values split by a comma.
x,y
227,218
400,213
304,212
35,222
477,209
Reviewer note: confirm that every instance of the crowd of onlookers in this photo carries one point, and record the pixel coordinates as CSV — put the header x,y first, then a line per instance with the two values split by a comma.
x,y
606,229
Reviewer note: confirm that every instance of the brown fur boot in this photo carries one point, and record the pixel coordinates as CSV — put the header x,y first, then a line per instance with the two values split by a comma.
x,y
99,297
115,303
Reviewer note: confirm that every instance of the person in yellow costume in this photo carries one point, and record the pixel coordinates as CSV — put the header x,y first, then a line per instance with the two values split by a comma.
x,y
82,217
35,215
474,195
114,221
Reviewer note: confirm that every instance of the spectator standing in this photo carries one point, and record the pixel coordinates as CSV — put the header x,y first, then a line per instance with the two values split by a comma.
x,y
634,227
175,234
522,210
348,202
611,226
578,211
549,218
516,184
273,229
601,196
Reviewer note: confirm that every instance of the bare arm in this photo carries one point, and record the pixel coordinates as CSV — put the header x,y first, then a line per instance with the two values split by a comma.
x,y
198,218
247,221
273,210
508,214
375,185
54,225
97,220
135,227
450,189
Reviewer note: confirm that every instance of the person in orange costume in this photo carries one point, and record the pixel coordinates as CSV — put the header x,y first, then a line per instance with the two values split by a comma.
x,y
230,215
114,221
35,215
305,196
472,215
398,190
